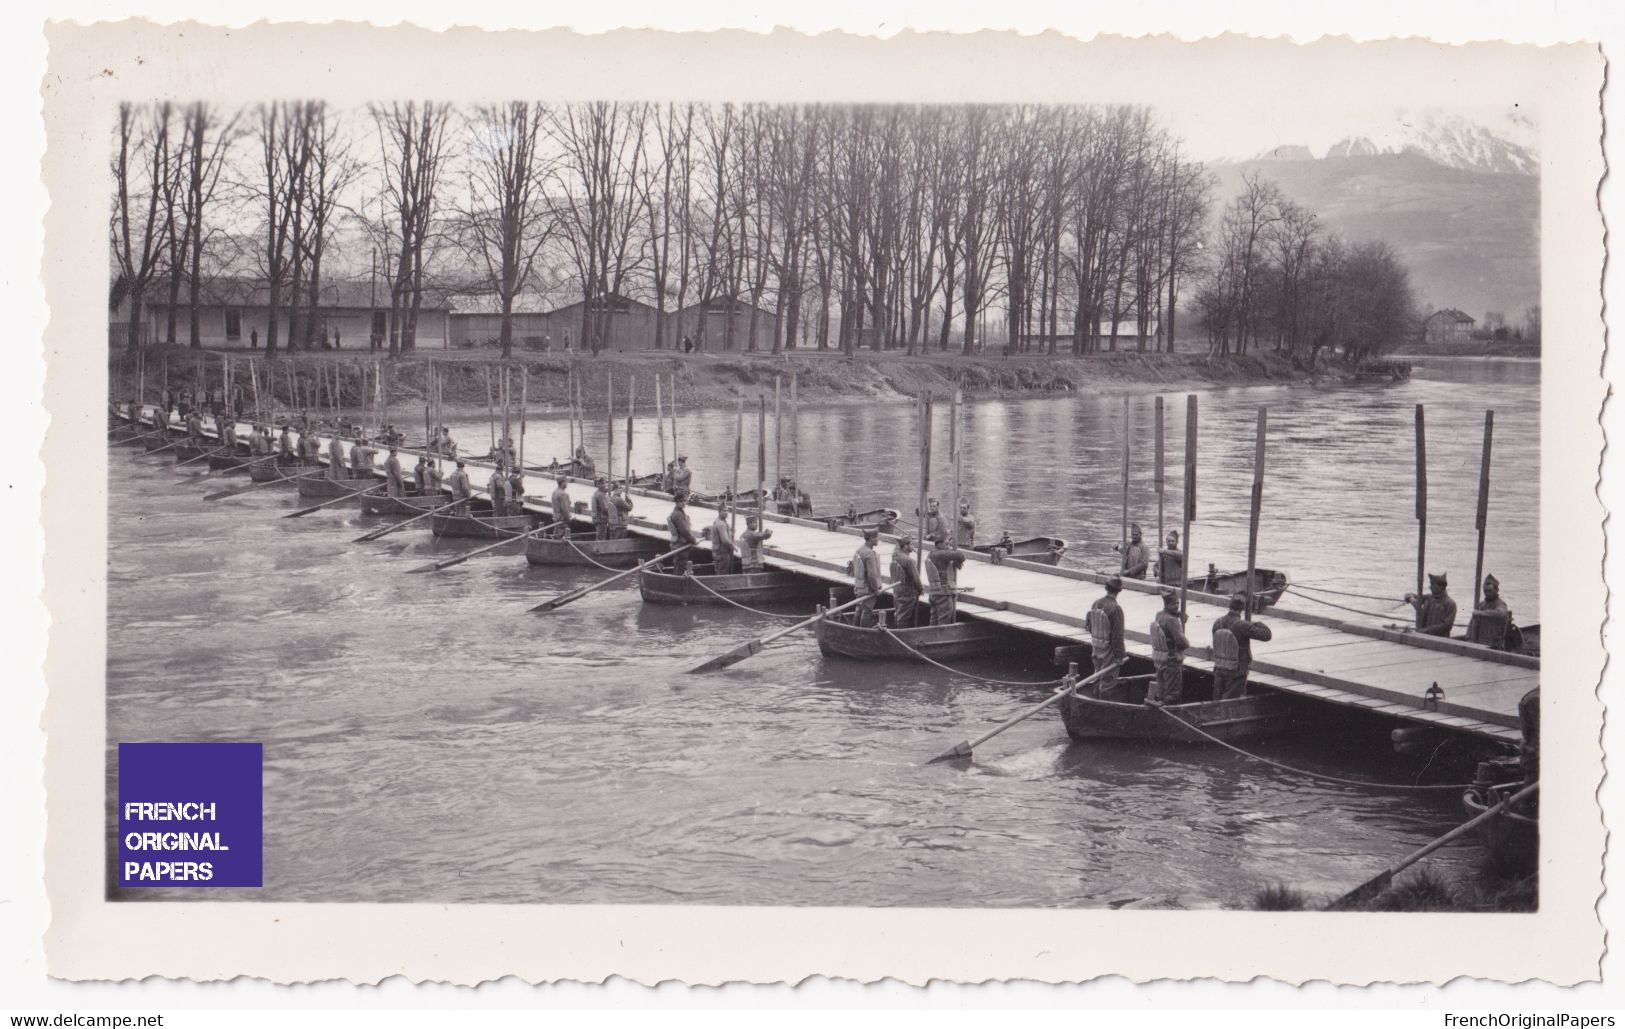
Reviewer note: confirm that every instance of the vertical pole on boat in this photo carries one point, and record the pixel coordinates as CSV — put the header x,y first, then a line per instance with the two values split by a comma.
x,y
581,414
1258,504
739,453
609,411
761,452
163,397
1189,503
140,378
524,397
631,401
924,405
778,435
254,377
570,408
673,398
490,407
1483,519
1157,481
795,439
1421,499
953,463
1123,546
660,431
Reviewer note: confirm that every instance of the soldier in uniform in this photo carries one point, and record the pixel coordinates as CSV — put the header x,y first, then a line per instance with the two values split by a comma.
x,y
967,524
1435,613
461,488
601,508
682,533
682,479
866,581
560,502
722,542
750,544
906,585
395,482
620,505
942,581
1106,638
1136,558
1491,619
1233,649
1171,561
1168,646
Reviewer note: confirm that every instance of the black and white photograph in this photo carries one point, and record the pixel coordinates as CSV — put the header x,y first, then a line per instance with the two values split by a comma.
x,y
1107,500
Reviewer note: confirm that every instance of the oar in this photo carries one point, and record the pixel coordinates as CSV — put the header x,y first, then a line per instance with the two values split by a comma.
x,y
741,652
210,452
963,750
144,435
239,490
438,565
158,450
386,530
329,503
1371,887
576,594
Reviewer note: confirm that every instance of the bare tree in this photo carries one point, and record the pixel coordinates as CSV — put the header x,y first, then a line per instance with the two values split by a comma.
x,y
210,134
412,137
139,227
507,214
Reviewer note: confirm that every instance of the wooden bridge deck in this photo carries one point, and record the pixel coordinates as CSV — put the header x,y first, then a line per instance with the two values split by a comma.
x,y
1380,670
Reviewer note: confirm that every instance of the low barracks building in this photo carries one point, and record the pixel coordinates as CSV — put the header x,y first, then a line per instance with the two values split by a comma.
x,y
235,313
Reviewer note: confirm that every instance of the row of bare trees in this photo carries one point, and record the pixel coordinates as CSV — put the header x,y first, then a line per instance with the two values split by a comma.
x,y
900,226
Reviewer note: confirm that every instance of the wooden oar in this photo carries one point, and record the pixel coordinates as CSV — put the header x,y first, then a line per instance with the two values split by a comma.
x,y
386,530
963,750
239,490
144,435
438,565
1375,885
745,650
210,452
576,594
158,450
329,503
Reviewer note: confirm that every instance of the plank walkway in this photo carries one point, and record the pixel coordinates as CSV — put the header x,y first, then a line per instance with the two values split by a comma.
x,y
1359,666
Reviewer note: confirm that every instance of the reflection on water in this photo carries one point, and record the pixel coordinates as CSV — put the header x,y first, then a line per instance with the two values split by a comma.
x,y
428,740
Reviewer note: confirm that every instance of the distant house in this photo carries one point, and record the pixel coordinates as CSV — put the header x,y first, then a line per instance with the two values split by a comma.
x,y
234,313
708,322
476,321
1448,326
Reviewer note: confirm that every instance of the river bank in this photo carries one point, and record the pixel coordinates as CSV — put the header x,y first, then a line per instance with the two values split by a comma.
x,y
701,380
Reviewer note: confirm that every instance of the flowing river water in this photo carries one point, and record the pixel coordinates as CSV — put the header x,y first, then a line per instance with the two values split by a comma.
x,y
428,740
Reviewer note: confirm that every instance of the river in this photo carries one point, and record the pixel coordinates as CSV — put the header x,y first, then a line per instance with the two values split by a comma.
x,y
427,740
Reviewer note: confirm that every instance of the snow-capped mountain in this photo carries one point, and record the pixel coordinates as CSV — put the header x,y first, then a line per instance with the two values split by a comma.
x,y
1508,147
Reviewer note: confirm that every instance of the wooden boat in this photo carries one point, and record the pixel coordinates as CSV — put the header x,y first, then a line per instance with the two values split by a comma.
x,y
408,505
1260,714
270,469
317,486
572,469
228,461
748,498
882,518
187,451
584,548
158,441
748,588
1511,838
477,522
1044,550
840,636
1268,584
1525,639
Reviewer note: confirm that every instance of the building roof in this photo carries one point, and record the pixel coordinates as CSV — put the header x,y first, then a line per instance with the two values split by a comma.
x,y
719,305
529,302
617,298
243,291
1454,315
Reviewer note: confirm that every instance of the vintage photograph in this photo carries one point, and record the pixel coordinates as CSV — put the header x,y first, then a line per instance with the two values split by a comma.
x,y
1068,503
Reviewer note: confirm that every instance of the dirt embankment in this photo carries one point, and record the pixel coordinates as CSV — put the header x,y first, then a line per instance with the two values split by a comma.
x,y
702,380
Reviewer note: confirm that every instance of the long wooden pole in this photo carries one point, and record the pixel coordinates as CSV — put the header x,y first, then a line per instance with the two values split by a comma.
x,y
490,407
1421,500
739,453
1157,480
963,750
1483,519
1123,546
673,381
524,399
1258,504
795,437
953,464
398,526
609,412
660,429
570,407
631,401
745,650
254,377
576,594
925,476
1189,504
778,435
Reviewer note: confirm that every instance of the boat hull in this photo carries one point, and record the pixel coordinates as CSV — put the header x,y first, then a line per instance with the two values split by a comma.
x,y
157,442
407,506
1268,585
1262,714
481,525
189,452
270,470
227,462
1043,550
749,588
319,487
1511,839
839,637
584,548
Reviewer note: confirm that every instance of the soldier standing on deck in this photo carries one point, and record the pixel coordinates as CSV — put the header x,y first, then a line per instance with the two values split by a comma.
x,y
682,478
933,528
600,507
461,488
1168,646
942,581
497,486
966,524
866,582
584,466
516,490
562,509
620,505
1233,649
1106,637
682,533
722,542
1435,613
1492,619
335,458
906,585
1171,561
1136,558
421,472
750,544
284,444
395,482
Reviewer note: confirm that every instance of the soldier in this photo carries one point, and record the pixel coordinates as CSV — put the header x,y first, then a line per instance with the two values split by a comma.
x,y
461,488
1168,646
905,584
1491,619
310,447
562,509
1436,613
421,472
942,581
395,482
584,466
933,528
1136,558
620,505
967,524
360,458
335,458
1171,561
1106,637
750,544
722,542
497,487
516,490
258,444
601,507
866,581
1233,649
681,477
682,533
284,444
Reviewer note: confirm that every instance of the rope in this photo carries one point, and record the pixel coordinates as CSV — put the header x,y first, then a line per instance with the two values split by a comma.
x,y
583,553
1337,593
955,671
742,607
1343,607
1366,784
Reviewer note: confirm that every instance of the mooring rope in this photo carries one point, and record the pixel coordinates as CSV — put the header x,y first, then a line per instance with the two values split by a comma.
x,y
1366,784
1344,607
742,607
955,671
1337,593
590,559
